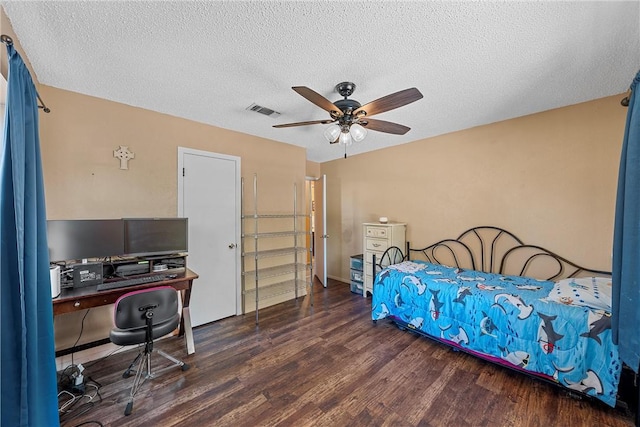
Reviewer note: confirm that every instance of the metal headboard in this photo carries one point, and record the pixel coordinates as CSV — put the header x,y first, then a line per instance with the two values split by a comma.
x,y
495,250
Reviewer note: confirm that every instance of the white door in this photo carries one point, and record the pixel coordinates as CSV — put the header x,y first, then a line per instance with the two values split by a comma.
x,y
320,235
209,195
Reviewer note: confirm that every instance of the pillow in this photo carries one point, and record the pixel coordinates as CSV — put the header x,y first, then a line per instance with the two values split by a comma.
x,y
591,292
408,266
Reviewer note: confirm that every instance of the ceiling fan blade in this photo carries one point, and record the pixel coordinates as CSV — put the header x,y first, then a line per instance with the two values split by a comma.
x,y
318,99
384,126
390,102
313,122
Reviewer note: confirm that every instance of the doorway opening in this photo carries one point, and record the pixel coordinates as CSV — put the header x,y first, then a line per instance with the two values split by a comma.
x,y
315,190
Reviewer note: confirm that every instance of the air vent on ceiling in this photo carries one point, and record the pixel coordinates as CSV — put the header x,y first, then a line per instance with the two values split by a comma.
x,y
263,110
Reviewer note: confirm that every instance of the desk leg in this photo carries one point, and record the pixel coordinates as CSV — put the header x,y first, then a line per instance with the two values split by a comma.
x,y
185,321
188,332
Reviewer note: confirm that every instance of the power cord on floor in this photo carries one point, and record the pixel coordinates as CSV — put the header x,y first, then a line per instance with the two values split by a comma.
x,y
73,387
76,405
72,379
78,393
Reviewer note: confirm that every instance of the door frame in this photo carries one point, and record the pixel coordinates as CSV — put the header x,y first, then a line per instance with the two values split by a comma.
x,y
182,151
320,217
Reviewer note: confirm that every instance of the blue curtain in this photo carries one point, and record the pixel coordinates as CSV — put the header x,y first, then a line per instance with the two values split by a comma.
x,y
28,371
626,241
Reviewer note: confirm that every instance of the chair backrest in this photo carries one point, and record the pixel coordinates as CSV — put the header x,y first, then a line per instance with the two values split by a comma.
x,y
130,308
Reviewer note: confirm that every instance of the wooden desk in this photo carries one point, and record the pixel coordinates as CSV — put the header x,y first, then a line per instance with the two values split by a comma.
x,y
76,299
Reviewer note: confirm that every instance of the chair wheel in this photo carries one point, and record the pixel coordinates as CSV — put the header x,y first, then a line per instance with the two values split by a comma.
x,y
128,409
185,366
126,374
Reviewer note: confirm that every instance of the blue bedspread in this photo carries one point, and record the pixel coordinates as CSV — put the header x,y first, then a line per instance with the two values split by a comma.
x,y
507,319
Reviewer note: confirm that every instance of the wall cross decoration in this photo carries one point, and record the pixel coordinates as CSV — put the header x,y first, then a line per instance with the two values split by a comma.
x,y
124,155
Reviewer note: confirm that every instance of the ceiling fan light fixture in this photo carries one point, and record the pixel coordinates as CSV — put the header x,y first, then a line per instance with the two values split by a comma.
x,y
349,119
331,133
345,138
358,132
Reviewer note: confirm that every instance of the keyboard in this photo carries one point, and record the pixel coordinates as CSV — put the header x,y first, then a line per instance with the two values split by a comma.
x,y
131,282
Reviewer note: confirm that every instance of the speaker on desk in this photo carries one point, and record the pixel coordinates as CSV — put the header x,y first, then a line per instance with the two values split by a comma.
x,y
54,276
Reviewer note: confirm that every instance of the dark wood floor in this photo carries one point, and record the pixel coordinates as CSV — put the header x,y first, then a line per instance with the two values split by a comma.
x,y
329,365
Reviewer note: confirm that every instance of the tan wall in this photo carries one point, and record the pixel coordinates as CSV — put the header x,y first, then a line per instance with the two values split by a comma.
x,y
313,169
83,179
550,178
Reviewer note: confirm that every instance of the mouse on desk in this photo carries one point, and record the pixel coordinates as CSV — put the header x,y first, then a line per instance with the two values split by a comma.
x,y
171,276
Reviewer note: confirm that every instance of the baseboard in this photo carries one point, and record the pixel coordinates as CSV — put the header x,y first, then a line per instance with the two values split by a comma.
x,y
339,279
89,355
93,354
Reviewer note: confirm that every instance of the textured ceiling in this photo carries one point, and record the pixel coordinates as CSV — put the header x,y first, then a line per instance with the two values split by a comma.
x,y
474,62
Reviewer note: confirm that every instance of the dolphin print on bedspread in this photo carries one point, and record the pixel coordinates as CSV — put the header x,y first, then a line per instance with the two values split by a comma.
x,y
509,320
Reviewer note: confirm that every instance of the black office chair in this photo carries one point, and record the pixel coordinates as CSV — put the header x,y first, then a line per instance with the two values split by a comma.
x,y
139,318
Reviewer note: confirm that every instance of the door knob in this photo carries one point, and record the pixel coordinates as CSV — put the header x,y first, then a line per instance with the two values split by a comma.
x,y
232,245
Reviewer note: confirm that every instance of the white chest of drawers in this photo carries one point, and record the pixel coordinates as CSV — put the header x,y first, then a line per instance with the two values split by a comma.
x,y
376,239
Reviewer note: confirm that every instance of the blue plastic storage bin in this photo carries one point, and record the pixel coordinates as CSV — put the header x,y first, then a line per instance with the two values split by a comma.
x,y
357,275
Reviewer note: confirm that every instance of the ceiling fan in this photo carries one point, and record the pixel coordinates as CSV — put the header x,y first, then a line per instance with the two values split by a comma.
x,y
351,118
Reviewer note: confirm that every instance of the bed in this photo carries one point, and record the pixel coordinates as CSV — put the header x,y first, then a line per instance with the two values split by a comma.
x,y
521,306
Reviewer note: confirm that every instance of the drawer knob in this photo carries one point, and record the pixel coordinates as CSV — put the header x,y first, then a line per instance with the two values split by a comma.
x,y
76,304
377,245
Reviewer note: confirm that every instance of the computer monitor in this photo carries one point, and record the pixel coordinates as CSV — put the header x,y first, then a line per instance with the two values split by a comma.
x,y
84,238
155,236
